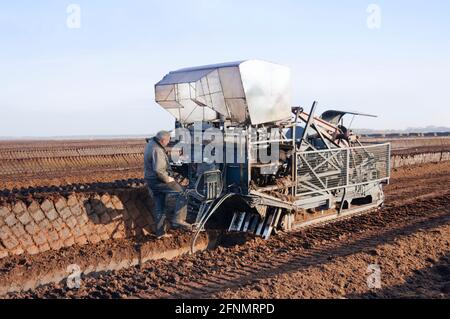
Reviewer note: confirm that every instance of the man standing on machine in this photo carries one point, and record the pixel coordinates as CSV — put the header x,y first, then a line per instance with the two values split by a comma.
x,y
159,178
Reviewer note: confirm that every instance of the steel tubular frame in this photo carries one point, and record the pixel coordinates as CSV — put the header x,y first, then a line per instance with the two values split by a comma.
x,y
377,157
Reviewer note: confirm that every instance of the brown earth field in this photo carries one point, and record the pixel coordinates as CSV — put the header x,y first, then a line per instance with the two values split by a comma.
x,y
45,163
400,251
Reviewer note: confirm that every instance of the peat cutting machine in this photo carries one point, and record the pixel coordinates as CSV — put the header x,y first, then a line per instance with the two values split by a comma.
x,y
256,164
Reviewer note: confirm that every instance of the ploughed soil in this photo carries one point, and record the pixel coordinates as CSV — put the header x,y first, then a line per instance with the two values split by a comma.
x,y
62,162
399,251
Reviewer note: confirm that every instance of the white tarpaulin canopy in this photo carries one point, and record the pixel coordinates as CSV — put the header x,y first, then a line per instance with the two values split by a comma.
x,y
250,91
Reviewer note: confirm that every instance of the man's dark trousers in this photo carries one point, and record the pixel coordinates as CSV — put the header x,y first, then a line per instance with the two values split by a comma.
x,y
160,191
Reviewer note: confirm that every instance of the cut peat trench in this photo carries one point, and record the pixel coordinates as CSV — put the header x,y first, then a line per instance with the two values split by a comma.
x,y
23,273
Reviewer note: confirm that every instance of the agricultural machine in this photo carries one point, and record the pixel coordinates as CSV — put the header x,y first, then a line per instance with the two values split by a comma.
x,y
259,165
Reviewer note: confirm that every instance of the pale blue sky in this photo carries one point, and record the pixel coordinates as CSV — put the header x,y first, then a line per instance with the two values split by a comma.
x,y
99,79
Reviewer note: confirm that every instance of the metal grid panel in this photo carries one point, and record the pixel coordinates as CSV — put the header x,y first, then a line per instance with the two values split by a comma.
x,y
368,164
320,172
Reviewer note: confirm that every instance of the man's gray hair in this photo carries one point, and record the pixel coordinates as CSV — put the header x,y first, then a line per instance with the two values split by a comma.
x,y
161,134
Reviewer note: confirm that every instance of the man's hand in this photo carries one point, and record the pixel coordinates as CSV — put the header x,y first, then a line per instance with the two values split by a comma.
x,y
184,182
170,180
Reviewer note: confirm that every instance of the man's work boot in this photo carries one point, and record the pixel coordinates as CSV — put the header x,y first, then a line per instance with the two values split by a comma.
x,y
162,236
181,225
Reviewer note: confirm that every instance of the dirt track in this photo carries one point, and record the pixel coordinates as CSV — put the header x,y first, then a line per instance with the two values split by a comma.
x,y
409,240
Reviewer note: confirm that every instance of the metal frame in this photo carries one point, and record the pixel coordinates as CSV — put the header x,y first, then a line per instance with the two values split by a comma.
x,y
385,148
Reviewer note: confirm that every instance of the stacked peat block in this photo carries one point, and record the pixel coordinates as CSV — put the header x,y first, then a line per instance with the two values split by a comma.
x,y
416,159
36,225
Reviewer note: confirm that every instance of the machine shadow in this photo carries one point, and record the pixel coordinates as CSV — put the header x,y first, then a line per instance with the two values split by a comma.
x,y
129,217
